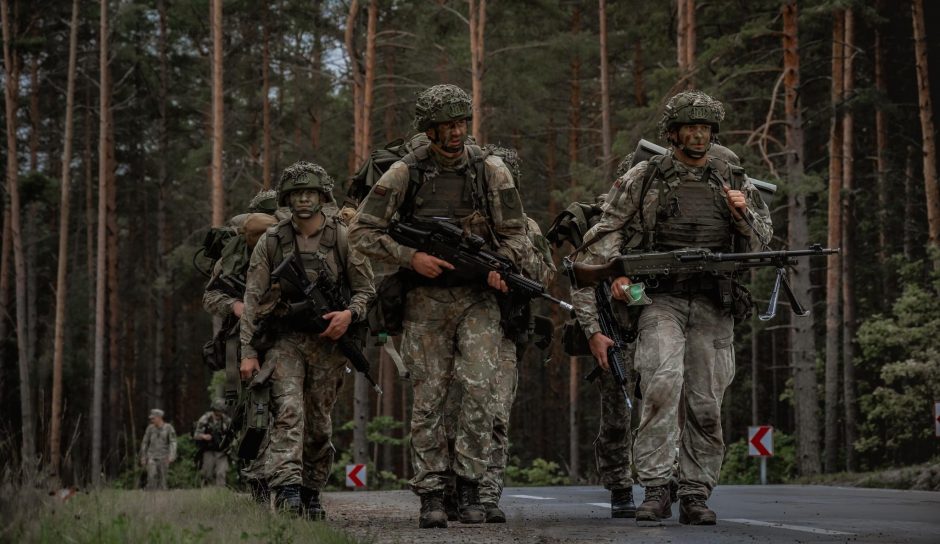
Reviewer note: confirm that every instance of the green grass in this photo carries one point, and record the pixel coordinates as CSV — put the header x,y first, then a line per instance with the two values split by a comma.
x,y
176,516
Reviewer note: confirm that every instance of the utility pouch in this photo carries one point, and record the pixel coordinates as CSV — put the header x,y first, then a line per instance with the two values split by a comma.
x,y
573,339
257,417
387,313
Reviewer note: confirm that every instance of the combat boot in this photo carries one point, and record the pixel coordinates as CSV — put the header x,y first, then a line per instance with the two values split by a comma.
x,y
621,503
468,501
694,511
287,499
493,513
313,510
432,511
450,505
657,506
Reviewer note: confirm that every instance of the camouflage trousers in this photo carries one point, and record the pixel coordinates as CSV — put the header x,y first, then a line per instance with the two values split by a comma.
x,y
450,341
504,393
685,359
157,468
214,468
304,386
613,446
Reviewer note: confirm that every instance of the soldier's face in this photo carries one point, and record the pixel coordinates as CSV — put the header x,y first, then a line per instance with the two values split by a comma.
x,y
695,137
304,204
450,135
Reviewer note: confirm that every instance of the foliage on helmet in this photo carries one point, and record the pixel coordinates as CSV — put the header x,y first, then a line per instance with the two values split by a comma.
x,y
691,108
303,175
264,202
218,405
441,104
624,165
510,157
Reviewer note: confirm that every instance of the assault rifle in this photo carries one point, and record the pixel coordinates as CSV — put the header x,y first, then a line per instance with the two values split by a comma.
x,y
320,297
465,251
651,267
611,329
231,285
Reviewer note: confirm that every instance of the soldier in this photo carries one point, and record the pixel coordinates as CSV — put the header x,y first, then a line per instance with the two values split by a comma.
x,y
308,370
157,449
210,430
451,324
684,354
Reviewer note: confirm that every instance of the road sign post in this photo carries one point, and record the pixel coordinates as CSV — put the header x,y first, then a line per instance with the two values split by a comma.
x,y
355,476
760,443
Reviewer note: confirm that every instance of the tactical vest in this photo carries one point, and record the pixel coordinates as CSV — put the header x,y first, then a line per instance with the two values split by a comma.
x,y
330,254
690,210
450,194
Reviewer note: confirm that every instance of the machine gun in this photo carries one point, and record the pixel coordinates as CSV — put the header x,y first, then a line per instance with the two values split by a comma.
x,y
465,251
651,267
320,297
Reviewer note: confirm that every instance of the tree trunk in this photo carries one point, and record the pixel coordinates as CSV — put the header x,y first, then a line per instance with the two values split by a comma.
x,y
368,93
574,417
5,252
34,120
218,194
104,163
11,67
388,402
90,228
61,285
639,86
574,102
477,57
115,373
881,168
834,263
361,390
265,99
163,242
802,340
606,135
316,63
848,250
356,80
910,222
928,148
681,36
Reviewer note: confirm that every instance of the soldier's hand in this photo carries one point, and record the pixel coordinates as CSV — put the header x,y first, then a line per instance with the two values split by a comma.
x,y
496,281
249,367
599,344
429,266
618,288
238,308
737,202
339,322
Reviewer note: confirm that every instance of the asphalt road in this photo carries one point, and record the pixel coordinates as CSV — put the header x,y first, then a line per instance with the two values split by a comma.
x,y
746,514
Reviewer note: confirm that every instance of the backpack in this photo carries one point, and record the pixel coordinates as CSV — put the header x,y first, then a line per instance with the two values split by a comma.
x,y
379,161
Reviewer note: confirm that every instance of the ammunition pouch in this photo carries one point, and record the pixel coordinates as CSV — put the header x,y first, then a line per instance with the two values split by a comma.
x,y
387,313
573,339
742,304
255,418
223,347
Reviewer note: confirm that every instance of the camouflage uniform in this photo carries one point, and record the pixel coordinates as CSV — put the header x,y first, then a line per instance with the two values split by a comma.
x,y
684,353
451,334
214,460
308,370
158,450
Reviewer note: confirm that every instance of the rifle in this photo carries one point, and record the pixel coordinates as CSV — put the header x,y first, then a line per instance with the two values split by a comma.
x,y
465,251
320,297
649,267
231,285
611,329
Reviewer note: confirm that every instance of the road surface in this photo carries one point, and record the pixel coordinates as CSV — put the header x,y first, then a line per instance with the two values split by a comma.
x,y
746,514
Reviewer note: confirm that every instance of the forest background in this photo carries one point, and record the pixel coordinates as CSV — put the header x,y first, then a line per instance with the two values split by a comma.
x,y
132,127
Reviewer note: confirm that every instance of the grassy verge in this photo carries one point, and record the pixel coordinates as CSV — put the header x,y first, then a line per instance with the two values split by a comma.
x,y
924,477
176,516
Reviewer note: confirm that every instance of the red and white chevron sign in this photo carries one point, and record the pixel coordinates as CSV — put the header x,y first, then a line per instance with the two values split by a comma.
x,y
355,475
760,441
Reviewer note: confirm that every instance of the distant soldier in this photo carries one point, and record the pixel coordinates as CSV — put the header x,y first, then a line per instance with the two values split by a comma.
x,y
158,449
210,430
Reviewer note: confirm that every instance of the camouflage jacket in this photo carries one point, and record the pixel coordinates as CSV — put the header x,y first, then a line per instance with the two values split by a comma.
x,y
357,275
159,442
367,231
209,424
217,302
620,220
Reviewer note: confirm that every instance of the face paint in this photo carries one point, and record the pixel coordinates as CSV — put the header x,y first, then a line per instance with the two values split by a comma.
x,y
449,136
693,140
306,203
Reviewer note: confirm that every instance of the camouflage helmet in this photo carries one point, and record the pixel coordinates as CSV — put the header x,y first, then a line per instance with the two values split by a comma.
x,y
264,202
304,175
691,108
440,104
218,405
510,157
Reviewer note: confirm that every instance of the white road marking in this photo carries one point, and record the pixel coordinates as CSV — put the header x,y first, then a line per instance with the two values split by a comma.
x,y
790,527
533,497
601,504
